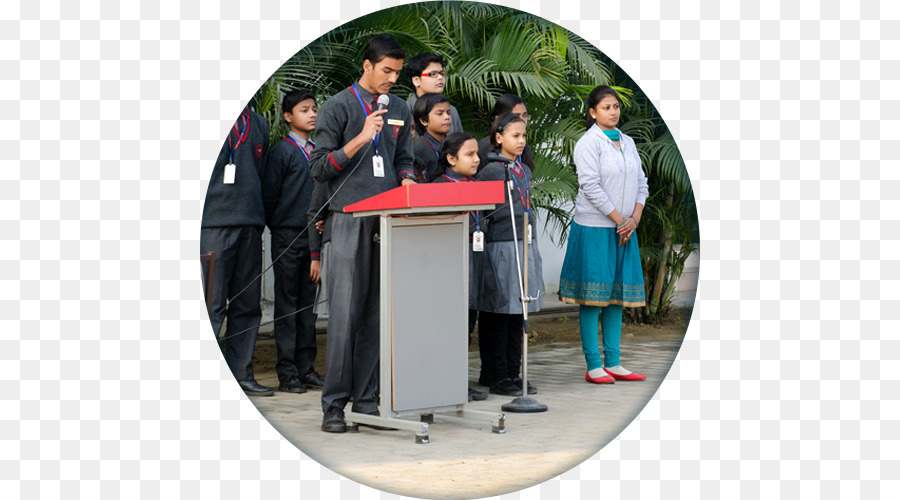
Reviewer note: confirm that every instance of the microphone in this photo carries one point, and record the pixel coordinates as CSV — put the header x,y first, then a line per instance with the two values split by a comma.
x,y
383,101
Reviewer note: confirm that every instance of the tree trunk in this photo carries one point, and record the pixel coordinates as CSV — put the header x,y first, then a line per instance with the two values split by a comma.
x,y
660,280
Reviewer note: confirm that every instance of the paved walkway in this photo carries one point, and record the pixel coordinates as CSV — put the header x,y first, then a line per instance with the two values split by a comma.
x,y
464,458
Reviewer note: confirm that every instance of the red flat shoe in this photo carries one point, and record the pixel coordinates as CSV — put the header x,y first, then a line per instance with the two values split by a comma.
x,y
606,379
631,377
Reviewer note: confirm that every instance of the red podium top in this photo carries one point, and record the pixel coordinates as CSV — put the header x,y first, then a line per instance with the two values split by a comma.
x,y
435,197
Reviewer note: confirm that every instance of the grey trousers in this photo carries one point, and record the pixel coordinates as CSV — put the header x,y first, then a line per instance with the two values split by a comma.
x,y
295,332
238,264
351,354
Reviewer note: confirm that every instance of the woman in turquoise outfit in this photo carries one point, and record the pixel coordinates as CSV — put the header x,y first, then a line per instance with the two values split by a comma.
x,y
602,269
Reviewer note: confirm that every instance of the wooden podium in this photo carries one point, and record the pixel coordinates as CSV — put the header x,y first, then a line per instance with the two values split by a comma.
x,y
424,258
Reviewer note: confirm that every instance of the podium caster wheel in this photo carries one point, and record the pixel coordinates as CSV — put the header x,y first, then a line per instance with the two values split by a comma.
x,y
428,418
353,428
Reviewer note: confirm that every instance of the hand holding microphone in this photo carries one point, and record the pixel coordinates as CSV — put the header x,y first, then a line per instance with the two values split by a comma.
x,y
374,122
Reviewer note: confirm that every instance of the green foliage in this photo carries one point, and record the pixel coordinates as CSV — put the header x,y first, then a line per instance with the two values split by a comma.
x,y
669,221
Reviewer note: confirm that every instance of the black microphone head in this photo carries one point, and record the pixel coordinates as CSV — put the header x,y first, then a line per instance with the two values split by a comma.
x,y
383,101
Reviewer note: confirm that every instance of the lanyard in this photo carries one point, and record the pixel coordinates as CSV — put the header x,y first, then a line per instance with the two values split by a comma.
x,y
367,111
242,136
476,214
305,154
526,200
437,150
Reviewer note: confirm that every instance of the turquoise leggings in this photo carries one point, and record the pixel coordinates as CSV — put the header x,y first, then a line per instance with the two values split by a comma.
x,y
610,320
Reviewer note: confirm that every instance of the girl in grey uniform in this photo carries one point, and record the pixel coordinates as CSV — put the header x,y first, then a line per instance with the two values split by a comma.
x,y
458,162
501,321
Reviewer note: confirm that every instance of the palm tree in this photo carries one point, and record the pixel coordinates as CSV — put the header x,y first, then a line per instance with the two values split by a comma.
x,y
668,229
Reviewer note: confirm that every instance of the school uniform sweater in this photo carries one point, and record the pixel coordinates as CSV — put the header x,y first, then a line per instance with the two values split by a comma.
x,y
500,229
426,150
287,187
241,203
340,119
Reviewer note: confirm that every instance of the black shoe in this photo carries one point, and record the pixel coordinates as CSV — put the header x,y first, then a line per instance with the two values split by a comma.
x,y
518,382
505,387
476,395
292,384
313,380
333,421
252,388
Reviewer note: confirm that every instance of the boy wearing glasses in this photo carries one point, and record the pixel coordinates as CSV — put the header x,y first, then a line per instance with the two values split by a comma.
x,y
427,76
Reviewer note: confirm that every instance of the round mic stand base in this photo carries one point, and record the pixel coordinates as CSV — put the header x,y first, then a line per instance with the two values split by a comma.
x,y
524,404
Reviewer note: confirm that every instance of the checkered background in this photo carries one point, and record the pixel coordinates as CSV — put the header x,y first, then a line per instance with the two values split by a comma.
x,y
111,115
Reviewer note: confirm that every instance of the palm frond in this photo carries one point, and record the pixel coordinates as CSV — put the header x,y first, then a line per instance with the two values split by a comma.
x,y
662,158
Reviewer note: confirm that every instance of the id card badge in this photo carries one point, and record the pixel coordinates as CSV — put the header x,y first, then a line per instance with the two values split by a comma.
x,y
477,241
229,173
378,166
529,234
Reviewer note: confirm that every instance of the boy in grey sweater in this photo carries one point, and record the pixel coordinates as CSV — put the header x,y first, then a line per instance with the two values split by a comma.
x,y
232,224
361,151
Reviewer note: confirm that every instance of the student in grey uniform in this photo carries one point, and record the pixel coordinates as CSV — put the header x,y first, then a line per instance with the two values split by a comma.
x,y
506,103
431,119
500,310
362,151
427,76
232,224
458,163
287,188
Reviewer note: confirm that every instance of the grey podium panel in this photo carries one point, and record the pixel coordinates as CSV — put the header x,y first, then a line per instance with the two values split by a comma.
x,y
429,298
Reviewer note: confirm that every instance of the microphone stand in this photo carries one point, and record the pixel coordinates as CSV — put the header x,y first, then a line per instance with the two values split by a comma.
x,y
523,403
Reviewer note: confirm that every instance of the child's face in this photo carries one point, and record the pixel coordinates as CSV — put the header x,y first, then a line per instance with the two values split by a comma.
x,y
431,84
303,116
466,160
512,140
439,119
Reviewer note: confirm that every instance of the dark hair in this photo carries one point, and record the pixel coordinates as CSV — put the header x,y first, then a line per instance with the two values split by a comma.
x,y
451,146
417,64
506,103
382,46
423,108
293,98
596,96
500,124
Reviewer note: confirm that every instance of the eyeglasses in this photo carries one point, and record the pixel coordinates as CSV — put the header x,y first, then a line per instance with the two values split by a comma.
x,y
524,116
435,74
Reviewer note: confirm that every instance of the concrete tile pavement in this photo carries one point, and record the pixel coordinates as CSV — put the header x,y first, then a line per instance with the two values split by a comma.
x,y
464,458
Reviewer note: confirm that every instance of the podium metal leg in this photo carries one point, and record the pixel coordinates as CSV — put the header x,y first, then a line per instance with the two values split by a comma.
x,y
497,420
420,428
